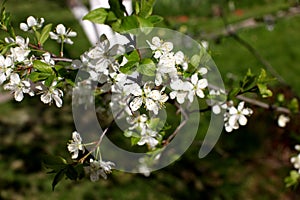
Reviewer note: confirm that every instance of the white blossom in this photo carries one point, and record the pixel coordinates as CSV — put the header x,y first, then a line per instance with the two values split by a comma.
x,y
236,116
6,65
283,120
50,94
216,102
99,168
181,90
198,87
18,87
32,23
295,160
62,35
20,52
75,145
153,99
160,47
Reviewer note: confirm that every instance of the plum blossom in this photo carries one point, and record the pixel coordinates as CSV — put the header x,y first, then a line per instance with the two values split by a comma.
x,y
153,99
50,94
283,120
21,51
236,116
295,160
198,87
216,102
166,66
32,23
75,145
99,168
62,35
141,125
18,87
160,47
6,65
181,89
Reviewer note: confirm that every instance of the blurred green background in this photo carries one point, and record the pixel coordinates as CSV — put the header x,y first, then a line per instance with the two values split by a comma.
x,y
247,164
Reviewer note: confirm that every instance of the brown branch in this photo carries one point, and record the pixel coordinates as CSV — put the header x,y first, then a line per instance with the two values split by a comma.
x,y
181,125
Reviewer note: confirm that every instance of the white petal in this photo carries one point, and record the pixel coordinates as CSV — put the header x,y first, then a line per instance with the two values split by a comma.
x,y
194,79
216,109
61,29
31,21
19,95
23,27
241,106
242,120
136,103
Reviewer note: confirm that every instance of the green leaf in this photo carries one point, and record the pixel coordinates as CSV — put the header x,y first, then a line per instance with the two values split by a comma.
x,y
42,67
264,91
133,56
147,67
117,7
137,7
145,25
134,140
71,173
129,67
195,60
294,105
97,16
38,76
45,33
293,179
154,122
49,81
54,162
58,177
154,19
233,93
129,23
146,8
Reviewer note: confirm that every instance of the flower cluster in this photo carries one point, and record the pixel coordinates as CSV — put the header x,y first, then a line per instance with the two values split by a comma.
x,y
24,71
95,168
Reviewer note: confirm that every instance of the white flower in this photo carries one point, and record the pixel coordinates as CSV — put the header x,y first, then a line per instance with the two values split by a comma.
x,y
50,94
198,87
148,137
283,120
160,47
18,86
20,52
47,59
32,23
6,65
166,66
216,101
236,116
181,90
153,99
62,35
296,162
180,59
75,146
99,168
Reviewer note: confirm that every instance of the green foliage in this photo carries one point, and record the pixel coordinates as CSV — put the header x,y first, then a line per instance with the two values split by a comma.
x,y
293,179
114,17
5,21
59,166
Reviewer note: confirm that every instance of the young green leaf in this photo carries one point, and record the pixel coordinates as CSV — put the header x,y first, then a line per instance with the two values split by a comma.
x,y
147,67
43,67
97,16
45,34
58,177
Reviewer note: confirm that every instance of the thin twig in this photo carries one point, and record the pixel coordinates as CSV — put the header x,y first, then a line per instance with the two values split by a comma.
x,y
181,125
